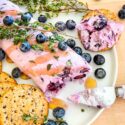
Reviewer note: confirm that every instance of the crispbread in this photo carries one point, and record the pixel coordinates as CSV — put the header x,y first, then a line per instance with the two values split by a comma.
x,y
4,77
107,13
6,86
23,99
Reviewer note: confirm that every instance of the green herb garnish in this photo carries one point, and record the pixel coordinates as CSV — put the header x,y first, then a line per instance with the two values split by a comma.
x,y
53,7
56,57
45,119
69,63
37,47
19,35
26,117
49,66
32,61
35,118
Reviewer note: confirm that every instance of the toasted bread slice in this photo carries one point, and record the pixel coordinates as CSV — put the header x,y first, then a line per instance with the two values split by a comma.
x,y
4,77
5,86
108,14
23,105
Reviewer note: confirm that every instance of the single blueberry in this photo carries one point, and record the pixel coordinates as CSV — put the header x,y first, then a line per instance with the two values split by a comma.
x,y
58,112
40,38
42,18
87,57
78,50
71,43
100,73
25,46
61,26
16,72
8,20
26,17
2,54
70,24
62,46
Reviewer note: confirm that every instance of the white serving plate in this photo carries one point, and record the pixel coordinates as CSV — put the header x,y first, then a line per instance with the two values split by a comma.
x,y
74,116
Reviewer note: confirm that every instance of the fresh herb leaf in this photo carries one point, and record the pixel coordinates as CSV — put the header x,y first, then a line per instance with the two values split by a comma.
x,y
18,35
49,66
69,63
45,119
56,57
37,47
35,118
32,61
26,117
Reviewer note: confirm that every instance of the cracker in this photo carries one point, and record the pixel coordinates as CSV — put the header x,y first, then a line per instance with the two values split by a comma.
x,y
23,105
5,86
108,14
4,77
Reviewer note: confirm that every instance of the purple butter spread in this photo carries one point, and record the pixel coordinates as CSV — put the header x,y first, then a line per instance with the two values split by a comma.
x,y
98,33
68,67
98,97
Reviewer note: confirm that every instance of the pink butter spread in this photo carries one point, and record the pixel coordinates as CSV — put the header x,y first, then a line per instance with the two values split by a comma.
x,y
98,33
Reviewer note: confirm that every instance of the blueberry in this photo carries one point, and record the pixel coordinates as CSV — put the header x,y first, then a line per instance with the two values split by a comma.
x,y
26,17
62,46
100,23
70,24
121,14
61,26
100,73
42,18
58,112
78,50
123,7
50,122
63,123
71,43
87,57
99,59
8,20
16,72
40,38
25,46
2,54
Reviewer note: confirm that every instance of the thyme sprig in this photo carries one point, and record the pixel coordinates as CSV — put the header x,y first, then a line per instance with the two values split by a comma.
x,y
14,32
20,32
53,7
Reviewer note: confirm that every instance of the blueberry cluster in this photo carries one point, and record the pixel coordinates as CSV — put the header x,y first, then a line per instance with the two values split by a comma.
x,y
58,113
100,73
61,26
121,13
